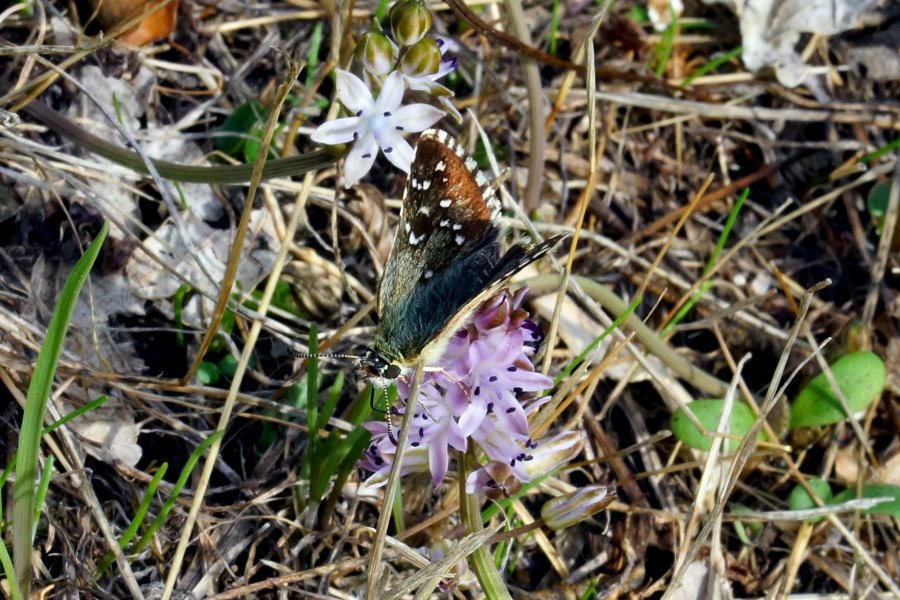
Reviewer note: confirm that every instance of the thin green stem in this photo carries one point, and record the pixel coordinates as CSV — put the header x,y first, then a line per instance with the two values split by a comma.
x,y
481,560
221,174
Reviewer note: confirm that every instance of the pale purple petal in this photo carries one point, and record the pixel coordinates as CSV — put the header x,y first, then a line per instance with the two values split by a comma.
x,y
447,65
438,459
415,117
391,94
360,159
456,398
531,381
339,131
471,419
396,149
353,93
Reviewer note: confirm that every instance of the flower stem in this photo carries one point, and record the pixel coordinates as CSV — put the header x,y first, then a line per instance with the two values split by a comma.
x,y
222,174
481,560
373,589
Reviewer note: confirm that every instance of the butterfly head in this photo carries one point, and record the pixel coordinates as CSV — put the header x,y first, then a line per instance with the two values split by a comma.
x,y
378,369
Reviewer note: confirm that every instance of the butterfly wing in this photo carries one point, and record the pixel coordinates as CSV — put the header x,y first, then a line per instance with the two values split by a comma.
x,y
445,259
449,211
517,258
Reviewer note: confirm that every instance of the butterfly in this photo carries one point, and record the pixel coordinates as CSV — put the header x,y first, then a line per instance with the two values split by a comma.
x,y
445,260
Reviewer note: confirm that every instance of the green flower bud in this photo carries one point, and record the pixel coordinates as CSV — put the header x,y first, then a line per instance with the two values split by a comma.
x,y
375,52
410,21
569,509
422,58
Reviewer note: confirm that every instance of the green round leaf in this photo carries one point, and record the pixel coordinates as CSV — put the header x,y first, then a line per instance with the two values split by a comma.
x,y
207,373
877,200
875,490
228,365
799,499
708,413
860,376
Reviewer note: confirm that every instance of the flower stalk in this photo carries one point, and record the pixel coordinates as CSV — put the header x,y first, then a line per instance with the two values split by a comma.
x,y
375,566
481,561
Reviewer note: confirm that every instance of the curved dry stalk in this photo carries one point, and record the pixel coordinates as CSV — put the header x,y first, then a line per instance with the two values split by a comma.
x,y
537,139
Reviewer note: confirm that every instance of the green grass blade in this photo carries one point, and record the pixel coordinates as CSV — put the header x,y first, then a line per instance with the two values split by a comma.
x,y
358,441
664,49
14,592
176,489
573,364
41,492
4,475
136,521
312,57
712,65
554,28
35,406
720,244
100,401
876,154
312,391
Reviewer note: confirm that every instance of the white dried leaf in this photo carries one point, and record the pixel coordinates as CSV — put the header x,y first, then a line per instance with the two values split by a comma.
x,y
112,440
692,586
149,280
109,432
770,30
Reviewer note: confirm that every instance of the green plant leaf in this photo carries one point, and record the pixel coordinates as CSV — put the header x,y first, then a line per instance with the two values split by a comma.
x,y
227,365
875,490
241,123
859,375
24,505
799,498
877,199
708,412
207,373
746,532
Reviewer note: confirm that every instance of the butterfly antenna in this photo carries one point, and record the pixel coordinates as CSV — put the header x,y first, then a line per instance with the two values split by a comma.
x,y
387,419
324,355
387,413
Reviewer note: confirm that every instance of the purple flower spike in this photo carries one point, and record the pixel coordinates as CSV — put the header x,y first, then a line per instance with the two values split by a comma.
x,y
478,392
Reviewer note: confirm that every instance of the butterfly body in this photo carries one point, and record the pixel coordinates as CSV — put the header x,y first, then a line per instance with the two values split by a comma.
x,y
445,260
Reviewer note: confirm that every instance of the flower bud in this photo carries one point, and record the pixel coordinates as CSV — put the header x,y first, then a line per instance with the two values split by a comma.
x,y
422,58
569,509
553,453
410,21
375,52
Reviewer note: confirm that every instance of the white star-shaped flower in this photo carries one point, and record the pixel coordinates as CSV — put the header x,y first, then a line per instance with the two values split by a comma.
x,y
377,123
